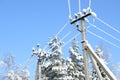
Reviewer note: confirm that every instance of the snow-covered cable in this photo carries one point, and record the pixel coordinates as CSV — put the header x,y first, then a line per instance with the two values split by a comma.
x,y
71,39
93,21
28,60
57,33
63,38
89,3
69,7
79,5
32,62
103,39
105,32
108,25
62,28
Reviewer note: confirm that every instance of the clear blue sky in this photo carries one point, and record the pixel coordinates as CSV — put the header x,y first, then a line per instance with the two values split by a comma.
x,y
24,23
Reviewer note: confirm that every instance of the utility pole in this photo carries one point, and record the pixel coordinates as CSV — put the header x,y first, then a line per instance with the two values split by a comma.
x,y
38,70
84,48
83,33
41,56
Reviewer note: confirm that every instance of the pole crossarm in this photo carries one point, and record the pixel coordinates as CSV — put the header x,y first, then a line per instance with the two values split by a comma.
x,y
80,18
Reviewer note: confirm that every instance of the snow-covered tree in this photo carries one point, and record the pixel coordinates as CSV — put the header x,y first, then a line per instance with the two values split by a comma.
x,y
99,52
55,67
13,71
75,63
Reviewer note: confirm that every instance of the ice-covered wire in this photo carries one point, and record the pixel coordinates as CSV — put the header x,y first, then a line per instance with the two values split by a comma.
x,y
108,25
89,3
103,39
69,7
79,5
71,39
64,37
57,33
104,32
28,60
32,62
62,29
93,21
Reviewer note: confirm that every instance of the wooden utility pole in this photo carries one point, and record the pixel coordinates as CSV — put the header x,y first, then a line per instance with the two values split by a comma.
x,y
38,70
83,32
84,48
41,56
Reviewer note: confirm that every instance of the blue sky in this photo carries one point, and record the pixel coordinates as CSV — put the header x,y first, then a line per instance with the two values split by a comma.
x,y
24,23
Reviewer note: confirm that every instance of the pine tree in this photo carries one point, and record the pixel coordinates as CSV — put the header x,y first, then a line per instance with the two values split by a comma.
x,y
99,52
54,68
75,63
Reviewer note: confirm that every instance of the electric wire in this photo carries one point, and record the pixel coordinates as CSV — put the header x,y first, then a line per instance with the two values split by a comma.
x,y
79,5
104,32
62,28
33,61
103,39
71,39
108,25
89,3
68,41
63,37
28,60
93,21
69,8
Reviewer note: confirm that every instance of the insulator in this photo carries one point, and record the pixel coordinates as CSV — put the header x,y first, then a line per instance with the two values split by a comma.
x,y
93,14
88,10
84,11
38,45
86,19
70,19
33,49
76,16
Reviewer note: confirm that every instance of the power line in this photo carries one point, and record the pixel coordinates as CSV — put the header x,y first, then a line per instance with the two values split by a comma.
x,y
28,60
111,27
89,3
62,28
103,39
64,37
71,39
79,5
69,7
104,32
